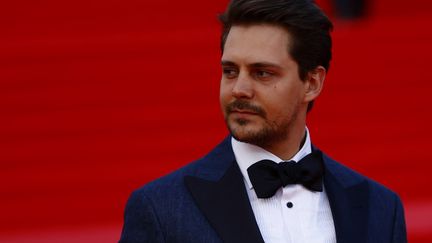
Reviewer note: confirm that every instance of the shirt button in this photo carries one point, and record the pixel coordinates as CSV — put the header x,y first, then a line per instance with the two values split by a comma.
x,y
289,204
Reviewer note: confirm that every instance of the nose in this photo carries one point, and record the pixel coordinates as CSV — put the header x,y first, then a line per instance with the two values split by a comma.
x,y
243,87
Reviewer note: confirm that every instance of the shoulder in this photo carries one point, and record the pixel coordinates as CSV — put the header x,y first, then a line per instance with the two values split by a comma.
x,y
383,206
154,207
349,177
166,189
210,167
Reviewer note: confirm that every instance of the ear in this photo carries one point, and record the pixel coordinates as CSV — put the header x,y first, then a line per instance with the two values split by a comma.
x,y
314,83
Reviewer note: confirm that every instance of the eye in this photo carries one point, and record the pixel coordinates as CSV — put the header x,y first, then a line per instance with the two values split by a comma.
x,y
230,72
263,74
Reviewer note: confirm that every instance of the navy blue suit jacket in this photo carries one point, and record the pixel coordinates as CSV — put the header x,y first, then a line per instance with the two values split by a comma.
x,y
206,202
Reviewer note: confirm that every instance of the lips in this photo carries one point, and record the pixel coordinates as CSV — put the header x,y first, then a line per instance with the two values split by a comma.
x,y
243,114
244,109
246,112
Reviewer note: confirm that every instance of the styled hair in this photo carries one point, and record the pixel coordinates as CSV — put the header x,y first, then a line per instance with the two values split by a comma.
x,y
307,25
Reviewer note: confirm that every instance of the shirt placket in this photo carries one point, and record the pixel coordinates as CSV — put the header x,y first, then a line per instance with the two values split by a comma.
x,y
290,213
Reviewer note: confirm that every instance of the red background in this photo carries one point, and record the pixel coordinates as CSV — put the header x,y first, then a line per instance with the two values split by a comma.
x,y
99,97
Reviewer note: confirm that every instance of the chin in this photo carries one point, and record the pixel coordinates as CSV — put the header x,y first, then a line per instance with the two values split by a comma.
x,y
245,133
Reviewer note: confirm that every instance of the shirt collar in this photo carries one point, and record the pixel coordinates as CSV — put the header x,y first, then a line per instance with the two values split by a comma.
x,y
247,154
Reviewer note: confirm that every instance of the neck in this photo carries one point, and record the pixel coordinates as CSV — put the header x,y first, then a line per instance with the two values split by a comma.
x,y
287,148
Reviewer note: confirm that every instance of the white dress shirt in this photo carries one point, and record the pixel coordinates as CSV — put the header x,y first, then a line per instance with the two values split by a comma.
x,y
294,214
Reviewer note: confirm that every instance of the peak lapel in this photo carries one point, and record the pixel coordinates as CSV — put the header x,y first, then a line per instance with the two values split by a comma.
x,y
226,206
349,205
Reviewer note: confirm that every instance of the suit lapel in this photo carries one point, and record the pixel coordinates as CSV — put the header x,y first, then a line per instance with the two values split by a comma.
x,y
348,196
225,202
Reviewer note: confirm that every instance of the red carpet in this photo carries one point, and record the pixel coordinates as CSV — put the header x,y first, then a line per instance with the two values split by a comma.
x,y
99,97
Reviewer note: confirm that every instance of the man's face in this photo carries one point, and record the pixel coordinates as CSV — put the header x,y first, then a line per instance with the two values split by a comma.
x,y
261,93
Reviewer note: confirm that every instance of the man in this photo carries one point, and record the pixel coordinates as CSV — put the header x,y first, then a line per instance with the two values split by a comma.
x,y
267,182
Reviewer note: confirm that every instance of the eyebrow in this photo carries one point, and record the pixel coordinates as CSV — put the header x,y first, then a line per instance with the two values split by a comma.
x,y
253,65
228,63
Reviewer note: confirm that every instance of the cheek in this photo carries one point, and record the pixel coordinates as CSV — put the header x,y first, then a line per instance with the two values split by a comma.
x,y
224,97
224,92
280,101
290,93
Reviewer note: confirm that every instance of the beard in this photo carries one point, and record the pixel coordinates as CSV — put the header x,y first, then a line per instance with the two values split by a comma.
x,y
267,133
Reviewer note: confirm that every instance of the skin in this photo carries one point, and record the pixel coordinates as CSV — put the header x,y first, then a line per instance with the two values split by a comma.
x,y
263,99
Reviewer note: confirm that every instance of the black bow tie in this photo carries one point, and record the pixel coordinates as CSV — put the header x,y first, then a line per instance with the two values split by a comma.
x,y
267,176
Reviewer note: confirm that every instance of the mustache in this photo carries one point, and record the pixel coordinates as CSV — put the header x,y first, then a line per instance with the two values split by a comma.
x,y
244,106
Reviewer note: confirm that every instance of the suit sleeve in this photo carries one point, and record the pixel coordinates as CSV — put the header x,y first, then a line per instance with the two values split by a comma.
x,y
141,223
399,227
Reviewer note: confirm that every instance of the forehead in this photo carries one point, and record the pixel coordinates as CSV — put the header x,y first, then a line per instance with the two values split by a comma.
x,y
257,43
